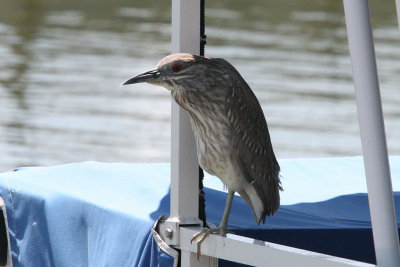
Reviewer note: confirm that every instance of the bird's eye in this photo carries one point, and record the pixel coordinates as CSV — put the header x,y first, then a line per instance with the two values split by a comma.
x,y
176,68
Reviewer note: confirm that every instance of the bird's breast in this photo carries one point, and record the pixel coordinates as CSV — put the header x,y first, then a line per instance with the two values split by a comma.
x,y
212,144
211,129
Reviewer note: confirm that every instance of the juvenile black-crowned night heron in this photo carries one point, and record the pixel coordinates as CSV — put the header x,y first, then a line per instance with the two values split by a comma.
x,y
230,129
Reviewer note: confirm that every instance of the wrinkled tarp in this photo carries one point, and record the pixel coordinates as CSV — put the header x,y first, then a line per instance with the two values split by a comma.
x,y
101,214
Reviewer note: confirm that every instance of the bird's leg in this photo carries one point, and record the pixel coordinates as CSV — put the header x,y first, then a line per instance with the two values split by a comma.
x,y
221,228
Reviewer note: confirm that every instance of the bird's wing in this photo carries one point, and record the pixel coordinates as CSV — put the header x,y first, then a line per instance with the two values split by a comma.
x,y
253,148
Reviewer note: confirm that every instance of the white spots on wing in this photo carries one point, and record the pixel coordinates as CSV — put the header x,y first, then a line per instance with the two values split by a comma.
x,y
232,118
259,151
250,143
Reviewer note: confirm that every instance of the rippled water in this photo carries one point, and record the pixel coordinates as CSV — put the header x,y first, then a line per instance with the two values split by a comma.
x,y
62,63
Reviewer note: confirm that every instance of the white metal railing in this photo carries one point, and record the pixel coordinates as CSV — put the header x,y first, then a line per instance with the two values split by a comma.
x,y
184,166
259,253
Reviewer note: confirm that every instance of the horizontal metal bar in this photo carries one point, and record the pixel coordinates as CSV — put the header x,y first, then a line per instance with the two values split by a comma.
x,y
259,253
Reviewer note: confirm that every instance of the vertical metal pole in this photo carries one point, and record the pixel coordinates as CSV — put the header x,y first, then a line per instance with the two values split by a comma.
x,y
184,164
184,207
398,12
370,117
190,260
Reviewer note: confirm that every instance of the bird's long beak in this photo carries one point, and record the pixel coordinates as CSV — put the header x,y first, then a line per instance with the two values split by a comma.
x,y
148,76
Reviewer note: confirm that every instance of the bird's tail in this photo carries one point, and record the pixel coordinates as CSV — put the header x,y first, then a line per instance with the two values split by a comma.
x,y
263,199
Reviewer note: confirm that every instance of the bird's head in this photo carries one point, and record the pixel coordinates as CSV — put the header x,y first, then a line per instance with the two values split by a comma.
x,y
177,72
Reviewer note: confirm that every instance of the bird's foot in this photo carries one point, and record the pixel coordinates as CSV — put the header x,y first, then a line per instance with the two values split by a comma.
x,y
203,234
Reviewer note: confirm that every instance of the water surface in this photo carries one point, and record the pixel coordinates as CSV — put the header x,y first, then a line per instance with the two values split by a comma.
x,y
62,63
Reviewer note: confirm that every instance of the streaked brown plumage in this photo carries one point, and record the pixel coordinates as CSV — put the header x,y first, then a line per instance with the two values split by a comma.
x,y
231,132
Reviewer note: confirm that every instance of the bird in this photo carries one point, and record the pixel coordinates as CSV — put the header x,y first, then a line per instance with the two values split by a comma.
x,y
230,129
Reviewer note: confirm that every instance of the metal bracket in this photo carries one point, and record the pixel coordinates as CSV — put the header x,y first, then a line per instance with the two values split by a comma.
x,y
170,229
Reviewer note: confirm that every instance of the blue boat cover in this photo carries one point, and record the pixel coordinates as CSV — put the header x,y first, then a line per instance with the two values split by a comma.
x,y
101,214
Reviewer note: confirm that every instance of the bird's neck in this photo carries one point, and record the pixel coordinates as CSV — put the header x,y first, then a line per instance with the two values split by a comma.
x,y
199,101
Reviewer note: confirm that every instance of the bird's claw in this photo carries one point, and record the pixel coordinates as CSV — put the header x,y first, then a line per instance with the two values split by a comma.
x,y
203,234
198,234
